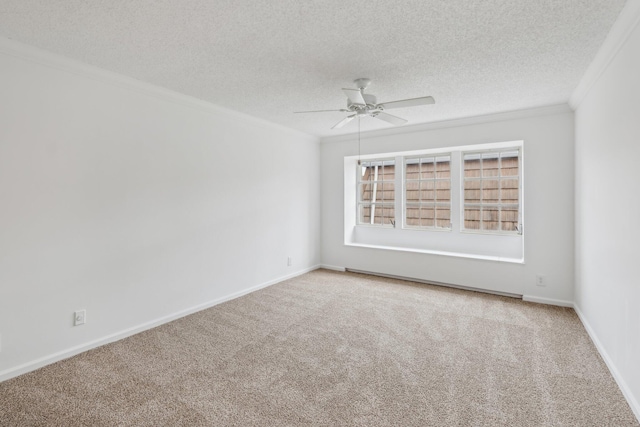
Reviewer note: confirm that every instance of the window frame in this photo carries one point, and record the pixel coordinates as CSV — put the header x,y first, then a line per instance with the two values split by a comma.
x,y
372,204
499,177
435,179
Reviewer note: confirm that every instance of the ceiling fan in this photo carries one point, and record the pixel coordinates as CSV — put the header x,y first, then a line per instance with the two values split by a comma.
x,y
361,104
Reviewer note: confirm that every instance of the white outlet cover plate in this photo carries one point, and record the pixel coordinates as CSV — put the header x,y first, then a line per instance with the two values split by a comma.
x,y
79,317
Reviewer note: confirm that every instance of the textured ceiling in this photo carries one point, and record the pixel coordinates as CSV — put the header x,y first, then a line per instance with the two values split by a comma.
x,y
270,58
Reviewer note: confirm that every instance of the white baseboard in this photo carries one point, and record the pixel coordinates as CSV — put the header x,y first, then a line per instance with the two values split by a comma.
x,y
332,267
65,354
548,301
631,400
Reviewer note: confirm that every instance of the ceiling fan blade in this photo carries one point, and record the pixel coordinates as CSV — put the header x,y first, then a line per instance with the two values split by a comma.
x,y
413,102
355,96
343,121
320,111
396,121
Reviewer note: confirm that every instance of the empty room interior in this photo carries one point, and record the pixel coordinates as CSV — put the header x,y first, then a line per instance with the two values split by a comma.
x,y
279,213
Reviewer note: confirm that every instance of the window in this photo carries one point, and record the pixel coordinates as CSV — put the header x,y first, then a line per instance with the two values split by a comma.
x,y
376,192
464,201
428,192
491,191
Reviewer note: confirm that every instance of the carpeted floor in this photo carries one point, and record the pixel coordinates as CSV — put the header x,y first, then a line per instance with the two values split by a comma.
x,y
340,349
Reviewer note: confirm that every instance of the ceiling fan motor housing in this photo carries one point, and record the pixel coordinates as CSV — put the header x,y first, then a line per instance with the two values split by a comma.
x,y
369,99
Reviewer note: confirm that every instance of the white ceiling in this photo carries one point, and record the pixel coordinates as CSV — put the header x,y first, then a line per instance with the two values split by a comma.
x,y
272,57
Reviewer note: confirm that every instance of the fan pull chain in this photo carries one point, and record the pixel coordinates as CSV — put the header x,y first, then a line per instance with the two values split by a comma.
x,y
358,140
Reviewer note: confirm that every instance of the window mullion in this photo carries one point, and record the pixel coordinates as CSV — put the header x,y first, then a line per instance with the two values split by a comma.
x,y
374,192
455,190
399,191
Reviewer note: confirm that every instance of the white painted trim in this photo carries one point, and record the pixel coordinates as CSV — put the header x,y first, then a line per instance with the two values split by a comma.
x,y
633,403
64,354
464,121
547,301
29,53
333,267
443,151
618,35
440,253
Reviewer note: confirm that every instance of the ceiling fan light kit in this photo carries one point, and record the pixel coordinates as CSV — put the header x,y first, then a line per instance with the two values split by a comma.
x,y
361,104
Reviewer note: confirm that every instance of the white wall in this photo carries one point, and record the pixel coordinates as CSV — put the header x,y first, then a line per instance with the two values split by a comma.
x,y
548,191
135,203
607,214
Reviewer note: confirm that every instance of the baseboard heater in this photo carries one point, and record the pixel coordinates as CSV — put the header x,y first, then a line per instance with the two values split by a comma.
x,y
430,282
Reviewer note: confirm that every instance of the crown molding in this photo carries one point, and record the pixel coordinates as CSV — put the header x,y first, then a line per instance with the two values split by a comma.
x,y
464,121
61,63
622,28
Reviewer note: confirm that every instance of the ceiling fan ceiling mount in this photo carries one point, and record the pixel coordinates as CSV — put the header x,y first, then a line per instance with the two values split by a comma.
x,y
362,83
363,104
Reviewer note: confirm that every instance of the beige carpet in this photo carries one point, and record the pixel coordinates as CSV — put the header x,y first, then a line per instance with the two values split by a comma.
x,y
338,349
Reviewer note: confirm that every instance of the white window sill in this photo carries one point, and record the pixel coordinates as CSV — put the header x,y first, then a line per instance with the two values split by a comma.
x,y
441,253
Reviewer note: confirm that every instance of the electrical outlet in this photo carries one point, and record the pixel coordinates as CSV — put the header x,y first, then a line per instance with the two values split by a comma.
x,y
541,281
289,261
80,317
